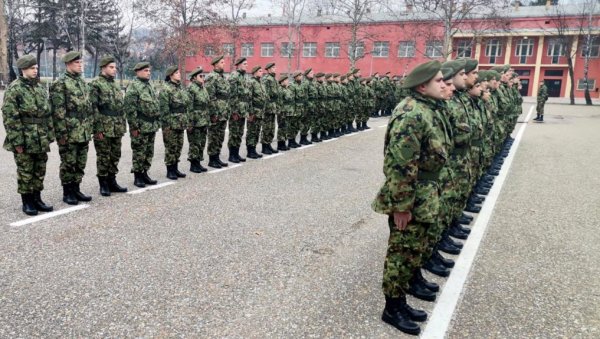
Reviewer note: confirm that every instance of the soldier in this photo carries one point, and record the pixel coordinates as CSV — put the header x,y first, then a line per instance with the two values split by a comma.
x,y
542,97
109,125
268,127
29,133
143,113
239,100
414,156
218,92
320,107
71,110
199,117
259,101
174,106
289,121
294,117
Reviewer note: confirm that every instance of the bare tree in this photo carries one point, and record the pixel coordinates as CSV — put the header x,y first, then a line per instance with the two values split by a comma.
x,y
235,13
3,45
293,11
590,7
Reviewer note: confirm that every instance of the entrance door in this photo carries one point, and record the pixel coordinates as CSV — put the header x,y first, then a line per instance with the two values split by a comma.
x,y
524,87
554,87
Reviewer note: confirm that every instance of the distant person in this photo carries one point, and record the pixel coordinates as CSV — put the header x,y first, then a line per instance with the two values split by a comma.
x,y
541,101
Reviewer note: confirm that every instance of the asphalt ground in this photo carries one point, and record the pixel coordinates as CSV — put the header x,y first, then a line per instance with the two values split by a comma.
x,y
289,247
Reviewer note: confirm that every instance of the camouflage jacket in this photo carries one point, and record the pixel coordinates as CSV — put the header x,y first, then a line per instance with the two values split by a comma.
x,y
299,97
272,89
319,99
107,107
240,93
259,97
218,92
174,106
460,122
199,114
71,108
311,93
286,101
414,155
26,116
369,98
335,96
142,107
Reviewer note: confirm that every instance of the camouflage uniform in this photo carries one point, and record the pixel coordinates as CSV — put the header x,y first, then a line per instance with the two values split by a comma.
x,y
271,110
414,156
218,91
542,97
109,120
259,101
142,110
308,115
240,107
174,106
199,119
28,123
287,108
296,117
71,110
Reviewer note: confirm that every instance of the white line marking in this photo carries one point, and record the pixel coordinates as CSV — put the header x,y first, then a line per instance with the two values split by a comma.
x,y
306,146
48,215
225,168
382,126
151,187
272,155
444,308
330,140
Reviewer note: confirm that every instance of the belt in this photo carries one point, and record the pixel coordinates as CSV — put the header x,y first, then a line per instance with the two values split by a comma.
x,y
146,118
426,175
110,113
74,114
31,120
178,110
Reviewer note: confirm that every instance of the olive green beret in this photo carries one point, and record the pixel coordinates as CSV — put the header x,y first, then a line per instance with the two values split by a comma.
x,y
343,77
499,69
283,78
354,70
422,74
319,75
255,69
482,76
71,56
106,60
196,72
369,79
455,65
26,61
470,64
307,71
328,76
374,74
494,74
269,65
141,65
216,59
447,72
170,70
335,75
239,61
297,74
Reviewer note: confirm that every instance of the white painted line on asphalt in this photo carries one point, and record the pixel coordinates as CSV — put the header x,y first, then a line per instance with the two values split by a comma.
x,y
272,155
382,126
225,168
48,215
306,146
440,318
330,140
151,187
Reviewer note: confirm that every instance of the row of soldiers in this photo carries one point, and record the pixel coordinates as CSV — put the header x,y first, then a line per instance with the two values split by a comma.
x,y
445,144
78,113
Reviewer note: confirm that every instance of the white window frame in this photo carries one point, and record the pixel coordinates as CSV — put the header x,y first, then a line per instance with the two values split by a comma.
x,y
209,50
285,51
408,47
493,43
433,48
462,46
381,49
332,49
267,49
247,50
359,50
591,84
594,48
309,50
228,49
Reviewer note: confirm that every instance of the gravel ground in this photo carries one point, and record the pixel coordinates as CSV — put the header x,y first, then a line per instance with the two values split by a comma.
x,y
289,247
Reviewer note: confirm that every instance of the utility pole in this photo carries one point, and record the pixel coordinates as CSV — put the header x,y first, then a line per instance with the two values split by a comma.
x,y
3,45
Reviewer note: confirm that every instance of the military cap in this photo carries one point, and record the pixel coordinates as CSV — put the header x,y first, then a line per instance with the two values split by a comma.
x,y
499,69
71,56
283,78
216,59
140,66
296,74
170,70
375,74
447,72
514,75
106,60
269,65
470,64
455,65
335,75
354,70
26,61
494,74
328,76
343,77
255,69
239,61
319,75
307,71
422,74
482,76
196,72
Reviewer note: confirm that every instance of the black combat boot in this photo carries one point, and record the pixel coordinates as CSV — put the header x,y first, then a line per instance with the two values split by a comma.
x,y
138,180
266,149
446,238
271,149
223,164
398,315
352,129
252,152
428,284
292,143
39,204
303,140
418,290
147,179
324,136
314,137
281,146
195,166
446,247
457,233
232,157
475,199
213,162
537,118
69,195
104,190
541,119
171,172
114,186
237,154
332,134
437,269
178,173
80,196
28,205
457,225
438,259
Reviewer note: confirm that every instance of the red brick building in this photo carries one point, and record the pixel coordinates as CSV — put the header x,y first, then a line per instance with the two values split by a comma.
x,y
526,38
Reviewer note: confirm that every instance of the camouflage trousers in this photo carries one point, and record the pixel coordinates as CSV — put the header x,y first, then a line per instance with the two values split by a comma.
x,y
142,152
31,170
283,128
236,132
216,136
173,140
268,128
294,125
73,157
317,122
108,154
405,253
305,122
253,131
197,142
539,108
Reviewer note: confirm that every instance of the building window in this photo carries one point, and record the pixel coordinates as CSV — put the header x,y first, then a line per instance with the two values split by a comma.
x,y
209,50
556,49
359,50
594,49
464,49
406,49
590,85
287,49
433,49
553,73
524,49
309,49
228,49
267,49
332,49
381,49
493,50
247,50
